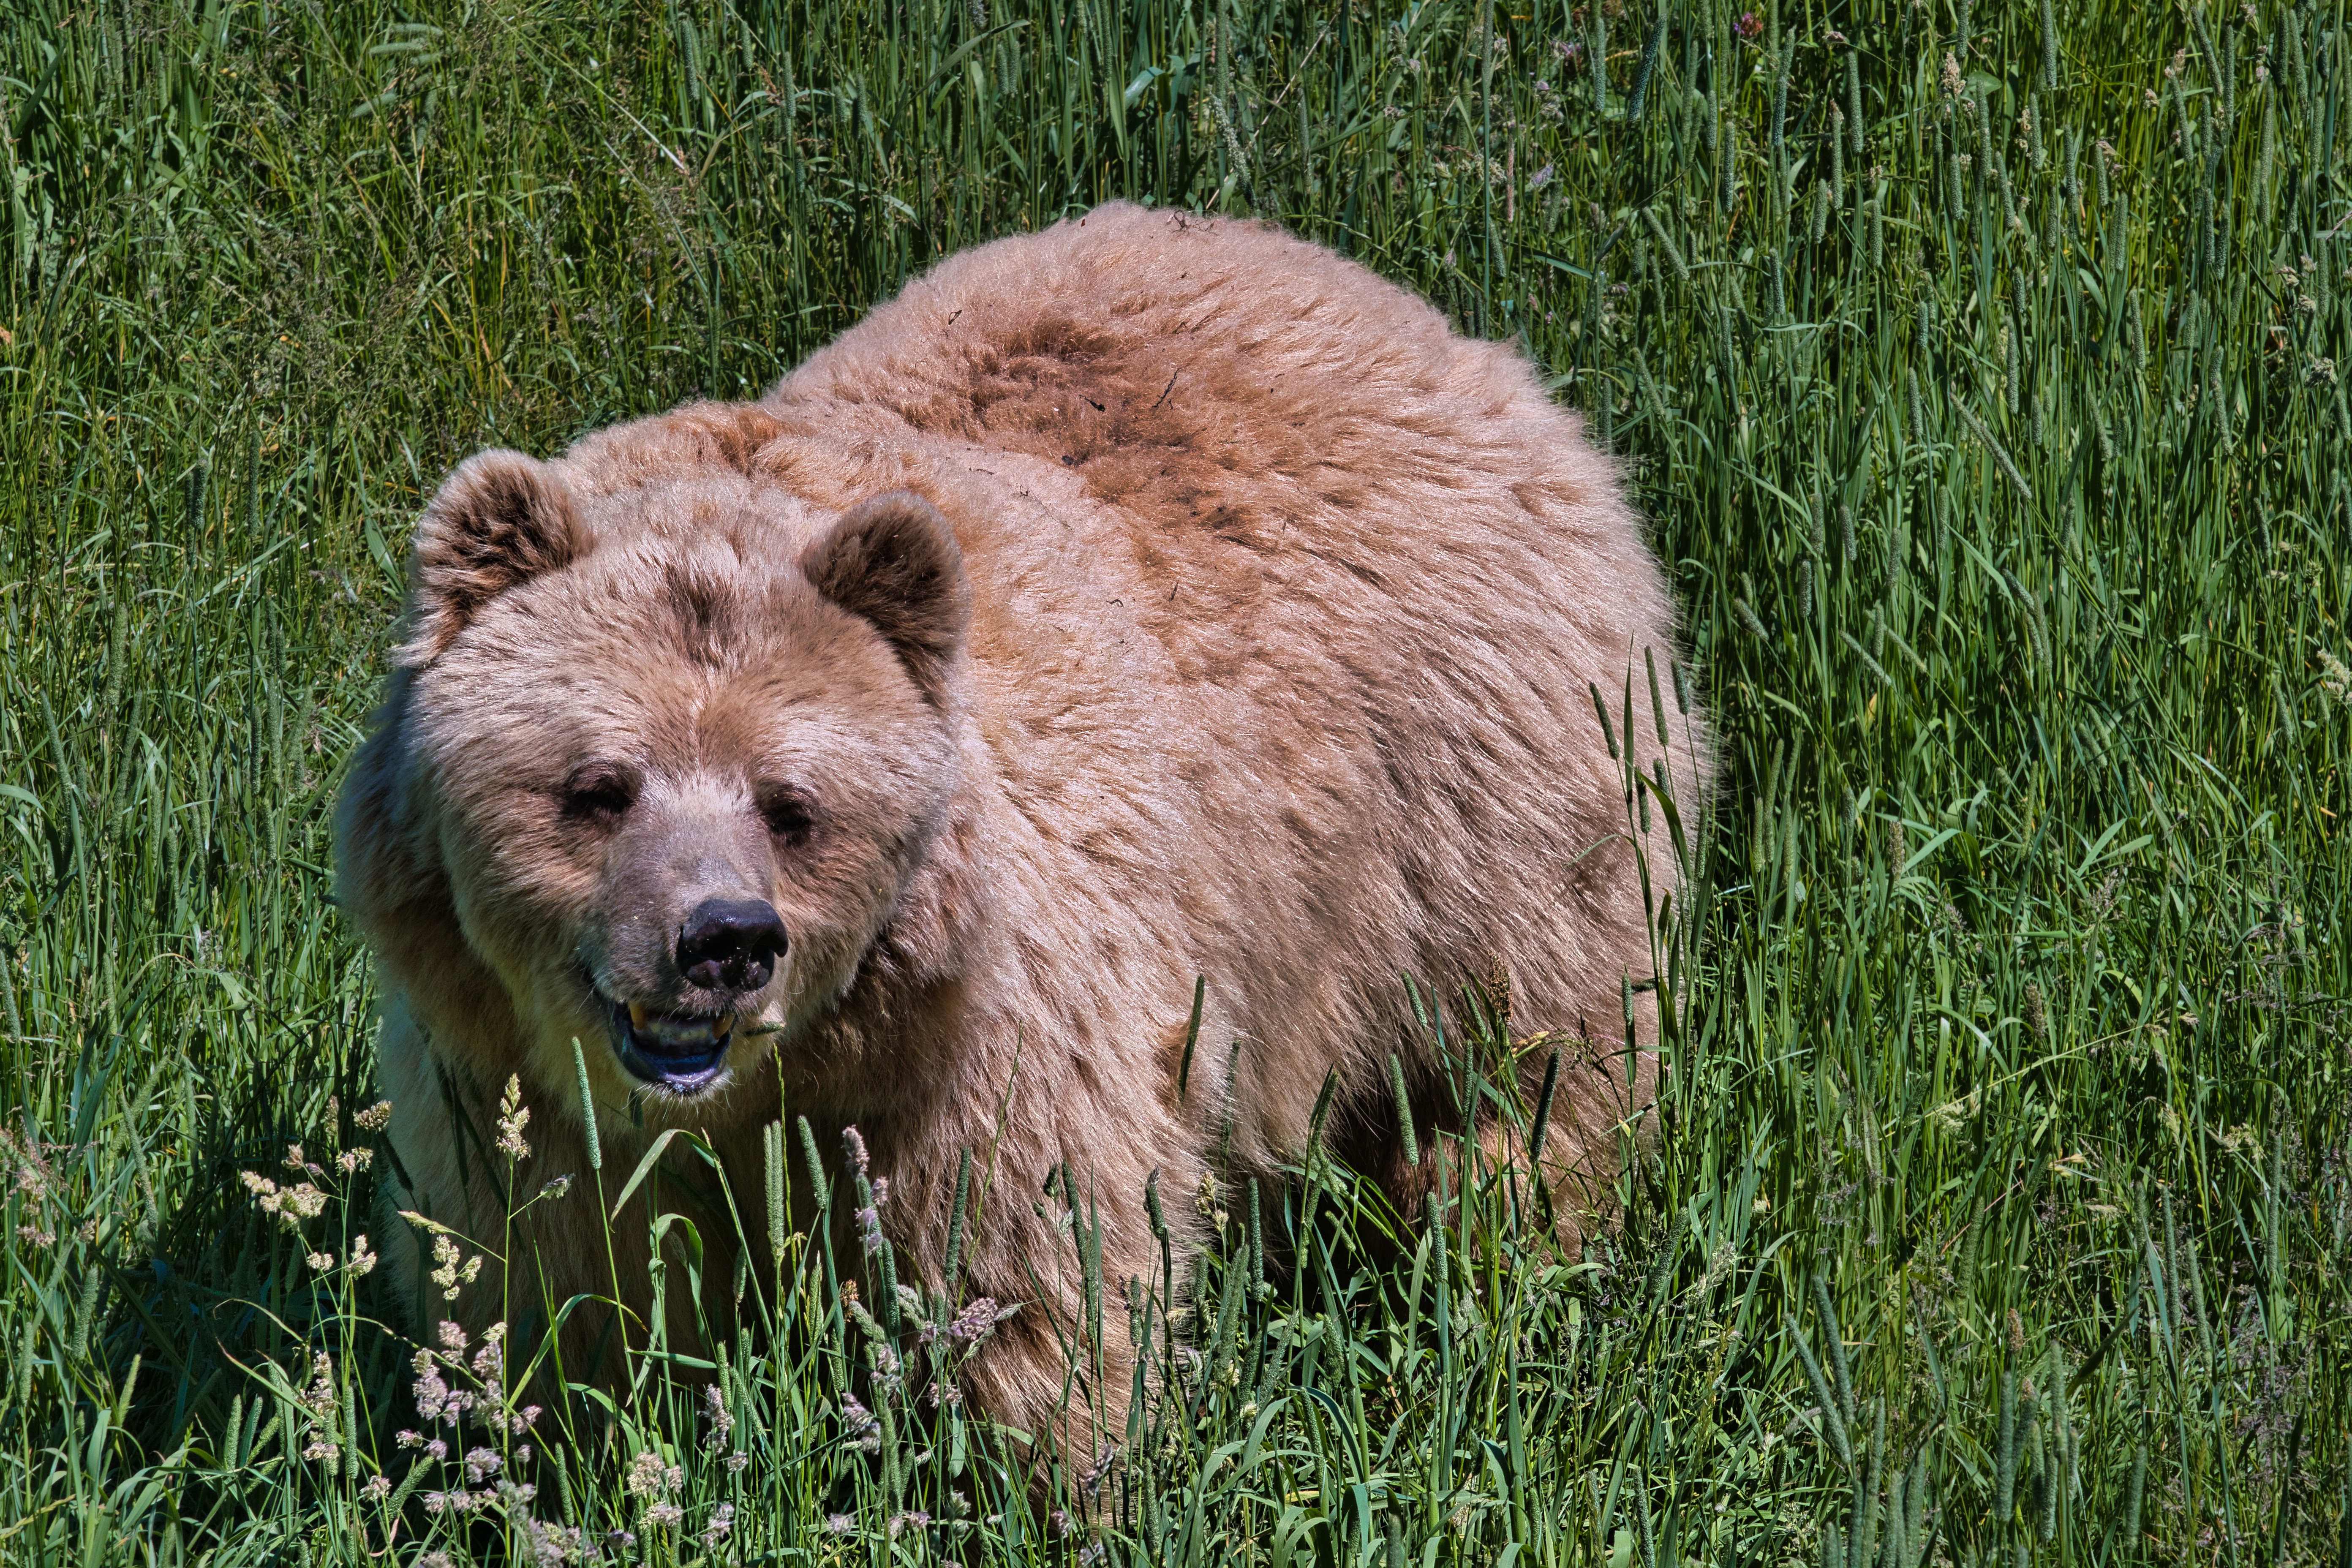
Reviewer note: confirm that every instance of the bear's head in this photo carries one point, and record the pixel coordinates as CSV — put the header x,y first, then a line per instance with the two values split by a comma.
x,y
665,746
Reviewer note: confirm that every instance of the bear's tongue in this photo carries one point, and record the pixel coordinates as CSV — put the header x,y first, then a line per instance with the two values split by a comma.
x,y
665,1048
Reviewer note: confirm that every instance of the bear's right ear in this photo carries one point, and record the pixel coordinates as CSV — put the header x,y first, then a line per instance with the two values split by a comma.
x,y
894,560
500,519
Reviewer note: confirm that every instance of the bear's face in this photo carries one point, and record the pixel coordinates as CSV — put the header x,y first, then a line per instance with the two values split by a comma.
x,y
673,765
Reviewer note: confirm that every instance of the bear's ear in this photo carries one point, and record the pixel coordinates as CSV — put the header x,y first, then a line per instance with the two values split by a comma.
x,y
500,519
893,559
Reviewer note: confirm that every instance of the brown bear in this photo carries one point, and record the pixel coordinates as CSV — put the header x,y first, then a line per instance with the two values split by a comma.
x,y
1147,601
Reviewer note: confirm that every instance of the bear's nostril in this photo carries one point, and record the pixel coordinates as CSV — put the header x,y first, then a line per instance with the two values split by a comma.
x,y
730,944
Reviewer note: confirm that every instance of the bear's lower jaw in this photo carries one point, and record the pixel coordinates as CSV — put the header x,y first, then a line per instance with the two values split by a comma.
x,y
684,1055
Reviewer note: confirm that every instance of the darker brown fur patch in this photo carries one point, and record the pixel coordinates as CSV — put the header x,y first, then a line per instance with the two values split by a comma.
x,y
702,602
732,433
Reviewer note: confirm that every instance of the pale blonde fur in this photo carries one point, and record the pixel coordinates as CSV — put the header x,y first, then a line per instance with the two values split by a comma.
x,y
1280,604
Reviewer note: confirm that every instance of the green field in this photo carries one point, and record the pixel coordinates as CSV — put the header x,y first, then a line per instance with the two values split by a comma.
x,y
1980,370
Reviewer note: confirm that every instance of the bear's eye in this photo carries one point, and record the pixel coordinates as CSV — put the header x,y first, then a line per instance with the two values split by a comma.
x,y
598,792
787,813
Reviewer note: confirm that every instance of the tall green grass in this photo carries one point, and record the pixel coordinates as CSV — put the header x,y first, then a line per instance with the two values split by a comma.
x,y
1978,368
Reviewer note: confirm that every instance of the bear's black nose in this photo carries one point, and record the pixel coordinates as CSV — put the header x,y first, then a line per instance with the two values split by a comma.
x,y
730,944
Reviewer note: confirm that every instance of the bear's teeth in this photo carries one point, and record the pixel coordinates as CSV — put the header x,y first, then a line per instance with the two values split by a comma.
x,y
678,1032
684,1031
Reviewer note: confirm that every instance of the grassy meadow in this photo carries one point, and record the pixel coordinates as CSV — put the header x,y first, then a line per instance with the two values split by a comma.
x,y
1984,371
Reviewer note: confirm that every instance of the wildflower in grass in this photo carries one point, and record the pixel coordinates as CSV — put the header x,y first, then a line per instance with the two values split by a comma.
x,y
1953,1115
434,1560
649,1477
489,1362
513,1117
557,1187
839,1523
408,1439
351,1162
550,1544
435,1400
859,1426
914,1519
320,1262
451,1271
361,1260
889,1379
2334,676
869,1231
968,1329
376,1490
853,1142
30,1172
318,1399
664,1515
1750,26
376,1117
722,1520
1956,86
291,1206
721,1419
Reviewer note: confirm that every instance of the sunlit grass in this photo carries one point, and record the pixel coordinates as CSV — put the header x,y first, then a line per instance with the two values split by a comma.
x,y
1984,392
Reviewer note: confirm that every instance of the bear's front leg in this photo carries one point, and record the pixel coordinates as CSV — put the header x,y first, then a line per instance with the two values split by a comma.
x,y
1062,1367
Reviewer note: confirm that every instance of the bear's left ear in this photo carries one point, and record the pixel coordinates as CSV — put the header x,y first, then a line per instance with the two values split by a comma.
x,y
500,519
893,559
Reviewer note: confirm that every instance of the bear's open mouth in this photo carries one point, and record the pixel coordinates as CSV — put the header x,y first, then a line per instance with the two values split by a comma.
x,y
676,1050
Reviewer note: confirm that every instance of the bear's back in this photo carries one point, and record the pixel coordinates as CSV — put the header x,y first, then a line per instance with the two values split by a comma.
x,y
1278,434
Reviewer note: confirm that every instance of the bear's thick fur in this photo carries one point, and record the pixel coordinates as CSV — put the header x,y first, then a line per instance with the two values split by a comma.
x,y
1147,599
